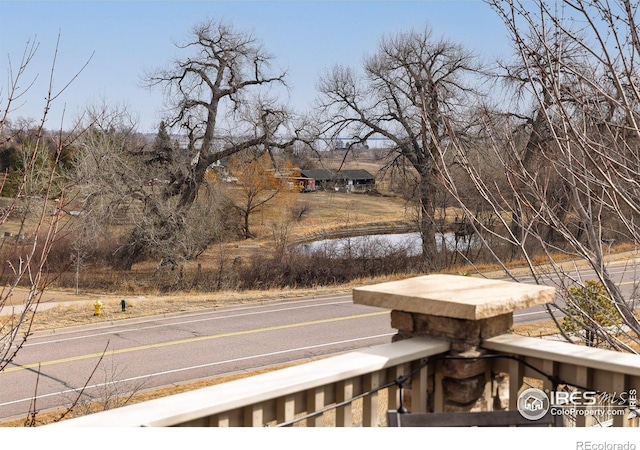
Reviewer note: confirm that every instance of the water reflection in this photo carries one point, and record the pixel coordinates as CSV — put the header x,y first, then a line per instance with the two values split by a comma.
x,y
385,244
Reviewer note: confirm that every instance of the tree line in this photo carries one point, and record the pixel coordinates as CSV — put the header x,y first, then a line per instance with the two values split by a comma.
x,y
538,152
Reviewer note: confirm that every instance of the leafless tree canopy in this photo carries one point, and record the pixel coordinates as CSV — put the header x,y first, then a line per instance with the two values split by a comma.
x,y
413,91
24,267
218,97
567,145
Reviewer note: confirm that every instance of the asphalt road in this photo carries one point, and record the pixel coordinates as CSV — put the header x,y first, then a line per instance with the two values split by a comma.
x,y
153,352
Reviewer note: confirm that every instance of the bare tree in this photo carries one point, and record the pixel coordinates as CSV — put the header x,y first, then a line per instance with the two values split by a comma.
x,y
24,272
413,92
569,169
218,101
257,185
116,185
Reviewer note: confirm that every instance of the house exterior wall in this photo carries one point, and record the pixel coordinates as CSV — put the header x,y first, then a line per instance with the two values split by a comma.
x,y
345,180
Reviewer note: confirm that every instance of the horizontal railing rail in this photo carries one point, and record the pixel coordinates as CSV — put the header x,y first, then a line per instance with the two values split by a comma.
x,y
282,395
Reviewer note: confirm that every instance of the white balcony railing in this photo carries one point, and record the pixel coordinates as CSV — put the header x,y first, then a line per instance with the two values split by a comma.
x,y
426,374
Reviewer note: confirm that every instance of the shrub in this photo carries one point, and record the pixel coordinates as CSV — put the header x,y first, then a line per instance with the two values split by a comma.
x,y
589,308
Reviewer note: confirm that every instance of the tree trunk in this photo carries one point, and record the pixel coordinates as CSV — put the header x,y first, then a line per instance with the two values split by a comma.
x,y
247,233
130,252
430,257
523,166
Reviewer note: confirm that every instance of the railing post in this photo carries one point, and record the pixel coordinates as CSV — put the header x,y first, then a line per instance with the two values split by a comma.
x,y
228,419
618,384
222,420
419,399
438,392
315,402
370,403
285,409
344,391
516,378
582,379
254,416
463,311
395,391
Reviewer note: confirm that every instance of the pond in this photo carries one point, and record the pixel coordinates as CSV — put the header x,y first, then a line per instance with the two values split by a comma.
x,y
379,245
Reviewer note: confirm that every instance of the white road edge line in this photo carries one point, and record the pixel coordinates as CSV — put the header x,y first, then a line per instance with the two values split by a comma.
x,y
148,376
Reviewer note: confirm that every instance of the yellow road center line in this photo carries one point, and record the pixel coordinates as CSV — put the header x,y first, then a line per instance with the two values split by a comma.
x,y
190,340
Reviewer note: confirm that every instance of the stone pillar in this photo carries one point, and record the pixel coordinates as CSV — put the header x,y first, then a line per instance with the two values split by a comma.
x,y
462,310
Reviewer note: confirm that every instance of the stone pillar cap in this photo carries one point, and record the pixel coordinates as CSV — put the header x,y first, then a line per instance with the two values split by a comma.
x,y
454,296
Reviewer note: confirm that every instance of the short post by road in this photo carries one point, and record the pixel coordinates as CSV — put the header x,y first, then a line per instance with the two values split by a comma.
x,y
123,305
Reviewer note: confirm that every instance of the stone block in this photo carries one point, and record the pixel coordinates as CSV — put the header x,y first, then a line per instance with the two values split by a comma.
x,y
446,327
470,298
402,321
465,391
463,334
465,368
496,326
401,336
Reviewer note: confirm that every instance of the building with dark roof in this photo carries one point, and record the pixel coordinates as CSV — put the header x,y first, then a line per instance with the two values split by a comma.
x,y
358,180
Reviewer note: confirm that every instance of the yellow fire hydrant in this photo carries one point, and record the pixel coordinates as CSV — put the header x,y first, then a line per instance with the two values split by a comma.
x,y
97,308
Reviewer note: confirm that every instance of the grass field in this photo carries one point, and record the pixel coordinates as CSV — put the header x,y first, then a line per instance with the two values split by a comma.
x,y
329,211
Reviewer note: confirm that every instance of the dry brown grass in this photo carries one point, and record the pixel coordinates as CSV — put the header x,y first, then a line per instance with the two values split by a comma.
x,y
62,309
536,329
329,211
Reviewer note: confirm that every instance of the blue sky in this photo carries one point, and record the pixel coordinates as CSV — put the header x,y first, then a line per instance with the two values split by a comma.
x,y
128,38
